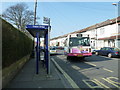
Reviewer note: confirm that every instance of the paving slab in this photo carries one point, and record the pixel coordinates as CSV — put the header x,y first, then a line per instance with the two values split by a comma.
x,y
27,77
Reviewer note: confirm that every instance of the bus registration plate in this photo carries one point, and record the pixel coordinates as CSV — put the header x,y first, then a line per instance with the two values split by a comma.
x,y
80,55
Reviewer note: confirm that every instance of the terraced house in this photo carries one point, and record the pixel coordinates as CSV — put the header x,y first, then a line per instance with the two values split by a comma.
x,y
102,34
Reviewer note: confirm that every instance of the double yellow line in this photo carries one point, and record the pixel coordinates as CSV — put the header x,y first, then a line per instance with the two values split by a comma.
x,y
72,83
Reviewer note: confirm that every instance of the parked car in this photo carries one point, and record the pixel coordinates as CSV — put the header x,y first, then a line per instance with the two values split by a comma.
x,y
93,50
60,50
57,50
108,51
52,50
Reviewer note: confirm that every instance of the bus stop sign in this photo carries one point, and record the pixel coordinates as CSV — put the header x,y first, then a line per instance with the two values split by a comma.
x,y
41,29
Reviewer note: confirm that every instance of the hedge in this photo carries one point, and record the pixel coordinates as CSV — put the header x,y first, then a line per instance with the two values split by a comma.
x,y
15,44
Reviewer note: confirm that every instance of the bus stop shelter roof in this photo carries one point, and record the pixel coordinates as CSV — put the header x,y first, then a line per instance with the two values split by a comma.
x,y
34,29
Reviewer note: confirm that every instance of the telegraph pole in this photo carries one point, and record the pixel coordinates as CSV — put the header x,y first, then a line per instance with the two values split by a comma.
x,y
35,12
38,42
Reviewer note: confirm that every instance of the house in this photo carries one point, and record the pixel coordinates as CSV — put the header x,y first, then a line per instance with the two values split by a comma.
x,y
102,34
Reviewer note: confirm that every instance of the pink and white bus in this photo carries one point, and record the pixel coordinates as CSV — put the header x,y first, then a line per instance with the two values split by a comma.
x,y
78,46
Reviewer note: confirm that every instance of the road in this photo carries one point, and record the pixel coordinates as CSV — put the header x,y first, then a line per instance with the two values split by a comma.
x,y
93,72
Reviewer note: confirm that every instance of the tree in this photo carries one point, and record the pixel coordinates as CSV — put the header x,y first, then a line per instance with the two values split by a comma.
x,y
19,15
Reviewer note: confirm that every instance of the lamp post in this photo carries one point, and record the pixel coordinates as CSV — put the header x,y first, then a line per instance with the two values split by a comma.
x,y
116,14
96,36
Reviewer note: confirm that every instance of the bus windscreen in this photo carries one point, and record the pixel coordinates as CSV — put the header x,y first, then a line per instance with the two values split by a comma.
x,y
77,41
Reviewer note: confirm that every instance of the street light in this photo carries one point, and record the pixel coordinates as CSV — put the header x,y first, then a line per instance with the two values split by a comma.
x,y
97,36
115,4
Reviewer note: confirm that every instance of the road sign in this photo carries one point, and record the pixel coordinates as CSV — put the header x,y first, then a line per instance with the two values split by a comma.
x,y
46,20
41,27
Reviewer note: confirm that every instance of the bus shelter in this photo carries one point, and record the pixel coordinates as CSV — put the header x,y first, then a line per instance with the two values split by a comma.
x,y
41,31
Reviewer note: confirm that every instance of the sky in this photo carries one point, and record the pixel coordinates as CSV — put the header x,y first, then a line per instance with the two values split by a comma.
x,y
68,17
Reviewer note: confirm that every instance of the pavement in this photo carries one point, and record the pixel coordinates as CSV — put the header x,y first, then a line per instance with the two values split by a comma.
x,y
27,77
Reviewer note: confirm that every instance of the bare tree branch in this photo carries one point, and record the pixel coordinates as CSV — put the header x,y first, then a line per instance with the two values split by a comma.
x,y
19,15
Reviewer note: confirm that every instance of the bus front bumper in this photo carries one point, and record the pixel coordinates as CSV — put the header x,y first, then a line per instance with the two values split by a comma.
x,y
79,54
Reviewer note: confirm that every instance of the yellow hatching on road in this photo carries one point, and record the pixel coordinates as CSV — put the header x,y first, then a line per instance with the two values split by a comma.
x,y
75,67
107,70
101,83
90,64
109,81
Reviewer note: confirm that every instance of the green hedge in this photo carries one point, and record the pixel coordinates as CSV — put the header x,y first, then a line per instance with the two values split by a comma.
x,y
15,44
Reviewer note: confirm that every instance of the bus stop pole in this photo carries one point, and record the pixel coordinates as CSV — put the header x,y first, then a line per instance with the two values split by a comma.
x,y
49,47
37,53
46,53
39,49
45,48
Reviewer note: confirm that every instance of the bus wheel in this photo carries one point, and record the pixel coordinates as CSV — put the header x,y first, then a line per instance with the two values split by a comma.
x,y
82,58
68,57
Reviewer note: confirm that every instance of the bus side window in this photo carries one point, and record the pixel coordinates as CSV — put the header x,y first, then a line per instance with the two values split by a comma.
x,y
65,42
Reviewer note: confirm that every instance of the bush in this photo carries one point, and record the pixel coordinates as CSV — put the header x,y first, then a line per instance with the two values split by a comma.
x,y
15,44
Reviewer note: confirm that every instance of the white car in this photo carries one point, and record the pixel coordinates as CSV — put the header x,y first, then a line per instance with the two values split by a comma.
x,y
60,50
53,50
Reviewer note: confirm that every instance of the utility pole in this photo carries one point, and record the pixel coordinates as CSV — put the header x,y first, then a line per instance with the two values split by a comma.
x,y
35,12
